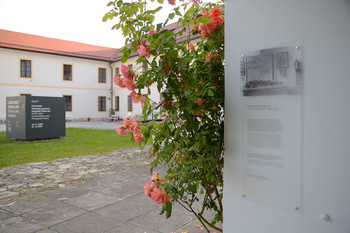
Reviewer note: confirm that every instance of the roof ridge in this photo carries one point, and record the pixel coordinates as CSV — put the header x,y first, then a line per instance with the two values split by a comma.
x,y
53,50
52,38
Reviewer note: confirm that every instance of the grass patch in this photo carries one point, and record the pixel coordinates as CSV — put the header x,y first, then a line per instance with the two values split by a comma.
x,y
77,142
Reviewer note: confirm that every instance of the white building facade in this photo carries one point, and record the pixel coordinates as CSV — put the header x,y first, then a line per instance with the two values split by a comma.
x,y
83,78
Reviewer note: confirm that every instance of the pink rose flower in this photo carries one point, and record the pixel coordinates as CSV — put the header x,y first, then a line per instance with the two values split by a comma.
x,y
199,101
147,188
217,21
134,98
138,98
203,30
124,70
133,125
160,196
131,85
142,100
172,2
205,14
127,73
126,123
156,179
208,57
138,138
215,12
151,32
121,131
118,81
191,47
143,50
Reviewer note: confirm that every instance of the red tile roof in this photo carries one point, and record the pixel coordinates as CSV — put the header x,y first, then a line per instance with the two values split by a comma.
x,y
28,42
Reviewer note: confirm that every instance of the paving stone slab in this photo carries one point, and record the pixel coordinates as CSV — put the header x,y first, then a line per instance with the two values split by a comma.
x,y
102,182
53,214
18,225
126,209
92,200
154,221
28,203
131,228
87,223
65,192
135,173
142,199
125,190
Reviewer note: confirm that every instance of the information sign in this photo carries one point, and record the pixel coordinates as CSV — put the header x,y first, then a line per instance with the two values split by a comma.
x,y
35,117
271,89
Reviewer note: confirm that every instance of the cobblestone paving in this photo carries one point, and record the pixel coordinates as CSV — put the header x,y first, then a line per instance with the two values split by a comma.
x,y
34,177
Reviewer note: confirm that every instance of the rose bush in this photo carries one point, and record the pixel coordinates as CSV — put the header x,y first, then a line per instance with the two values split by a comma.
x,y
187,66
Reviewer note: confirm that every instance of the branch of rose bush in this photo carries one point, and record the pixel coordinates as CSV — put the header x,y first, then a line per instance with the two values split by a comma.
x,y
209,224
220,202
201,219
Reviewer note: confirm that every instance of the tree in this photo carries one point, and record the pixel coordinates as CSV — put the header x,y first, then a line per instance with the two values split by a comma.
x,y
190,77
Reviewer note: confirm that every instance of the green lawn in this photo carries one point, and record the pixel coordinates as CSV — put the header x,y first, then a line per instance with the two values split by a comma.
x,y
77,142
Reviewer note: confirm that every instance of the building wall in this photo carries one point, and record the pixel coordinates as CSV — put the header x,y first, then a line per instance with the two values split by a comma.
x,y
47,80
322,28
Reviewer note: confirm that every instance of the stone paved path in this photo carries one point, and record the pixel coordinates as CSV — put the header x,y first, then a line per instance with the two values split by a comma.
x,y
87,194
100,193
34,177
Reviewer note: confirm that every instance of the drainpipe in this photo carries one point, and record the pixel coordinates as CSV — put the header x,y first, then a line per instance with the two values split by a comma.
x,y
111,90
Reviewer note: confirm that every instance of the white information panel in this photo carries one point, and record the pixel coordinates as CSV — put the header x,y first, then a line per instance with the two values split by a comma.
x,y
271,89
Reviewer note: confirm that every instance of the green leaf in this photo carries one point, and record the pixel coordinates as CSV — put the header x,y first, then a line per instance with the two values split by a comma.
x,y
177,12
210,92
192,188
105,18
170,41
124,58
161,1
171,16
162,210
204,20
111,3
168,209
182,64
204,140
159,26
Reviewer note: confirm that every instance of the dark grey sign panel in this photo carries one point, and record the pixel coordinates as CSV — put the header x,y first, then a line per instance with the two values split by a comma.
x,y
35,117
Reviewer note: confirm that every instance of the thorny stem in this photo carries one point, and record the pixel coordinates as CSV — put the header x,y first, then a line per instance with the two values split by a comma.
x,y
198,217
220,203
211,225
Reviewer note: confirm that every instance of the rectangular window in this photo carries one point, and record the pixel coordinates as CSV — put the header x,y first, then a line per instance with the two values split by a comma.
x,y
117,70
144,66
130,67
26,68
68,100
102,103
67,72
116,104
25,94
129,104
102,75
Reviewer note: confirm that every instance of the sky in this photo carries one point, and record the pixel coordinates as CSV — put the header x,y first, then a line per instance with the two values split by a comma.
x,y
74,20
